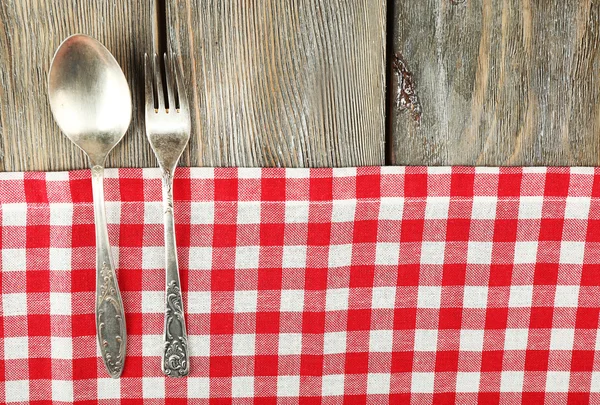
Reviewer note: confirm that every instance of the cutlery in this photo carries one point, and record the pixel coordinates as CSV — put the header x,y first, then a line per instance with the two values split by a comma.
x,y
168,129
91,103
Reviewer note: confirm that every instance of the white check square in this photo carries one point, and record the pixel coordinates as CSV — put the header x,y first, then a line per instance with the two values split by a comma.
x,y
426,340
512,381
198,387
61,214
572,252
566,296
484,207
16,391
14,304
60,259
577,207
475,297
387,254
471,340
62,390
557,381
242,387
246,257
343,210
294,257
109,388
292,300
429,297
245,301
296,212
422,382
288,386
200,258
152,345
290,343
391,208
378,383
14,214
16,347
525,252
521,296
60,303
467,381
432,252
153,212
153,387
340,255
381,341
479,253
334,343
562,339
153,257
332,385
383,298
153,302
244,344
530,207
248,212
202,213
61,348
516,339
336,299
14,260
437,208
199,302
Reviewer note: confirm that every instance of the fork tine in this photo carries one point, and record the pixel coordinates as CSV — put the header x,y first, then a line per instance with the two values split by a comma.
x,y
183,103
158,83
148,78
169,79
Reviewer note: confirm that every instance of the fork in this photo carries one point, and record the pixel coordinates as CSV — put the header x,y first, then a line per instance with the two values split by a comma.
x,y
168,130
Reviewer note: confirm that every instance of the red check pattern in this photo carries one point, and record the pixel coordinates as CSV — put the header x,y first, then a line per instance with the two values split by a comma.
x,y
369,285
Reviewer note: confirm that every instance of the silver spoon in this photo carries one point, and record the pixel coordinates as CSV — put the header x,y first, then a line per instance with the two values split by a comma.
x,y
91,102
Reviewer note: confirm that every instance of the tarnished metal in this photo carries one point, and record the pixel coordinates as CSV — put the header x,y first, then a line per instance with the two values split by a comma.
x,y
168,129
91,103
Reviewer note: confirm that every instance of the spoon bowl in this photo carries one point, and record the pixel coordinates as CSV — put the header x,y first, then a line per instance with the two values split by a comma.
x,y
89,96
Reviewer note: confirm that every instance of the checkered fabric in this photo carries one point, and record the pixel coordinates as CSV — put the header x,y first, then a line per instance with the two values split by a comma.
x,y
369,285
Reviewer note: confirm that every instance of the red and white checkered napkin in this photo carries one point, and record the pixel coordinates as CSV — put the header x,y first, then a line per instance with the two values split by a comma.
x,y
369,285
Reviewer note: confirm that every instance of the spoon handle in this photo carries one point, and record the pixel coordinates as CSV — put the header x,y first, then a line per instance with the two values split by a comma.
x,y
175,356
110,316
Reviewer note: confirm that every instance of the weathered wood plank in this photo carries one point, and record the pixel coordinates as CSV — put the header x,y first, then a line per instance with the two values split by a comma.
x,y
30,32
283,83
500,82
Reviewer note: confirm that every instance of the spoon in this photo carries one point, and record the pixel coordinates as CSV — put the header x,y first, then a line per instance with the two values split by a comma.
x,y
91,103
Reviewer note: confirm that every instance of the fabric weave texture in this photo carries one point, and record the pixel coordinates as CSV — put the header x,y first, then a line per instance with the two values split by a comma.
x,y
359,285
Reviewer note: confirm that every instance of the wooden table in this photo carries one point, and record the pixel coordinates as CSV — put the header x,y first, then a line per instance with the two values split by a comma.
x,y
310,83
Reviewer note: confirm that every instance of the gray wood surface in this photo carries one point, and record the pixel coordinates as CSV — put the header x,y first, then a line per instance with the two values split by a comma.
x,y
283,83
272,83
30,32
500,82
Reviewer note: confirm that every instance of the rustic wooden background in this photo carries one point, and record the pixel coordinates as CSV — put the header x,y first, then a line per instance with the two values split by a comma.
x,y
511,82
310,83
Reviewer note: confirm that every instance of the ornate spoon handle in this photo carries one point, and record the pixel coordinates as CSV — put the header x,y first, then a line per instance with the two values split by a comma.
x,y
110,316
175,357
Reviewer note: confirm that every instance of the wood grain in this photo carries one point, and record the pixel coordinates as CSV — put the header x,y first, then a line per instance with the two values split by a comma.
x,y
283,83
500,82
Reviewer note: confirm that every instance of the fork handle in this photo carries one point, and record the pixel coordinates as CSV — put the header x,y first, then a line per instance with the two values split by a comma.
x,y
110,316
175,356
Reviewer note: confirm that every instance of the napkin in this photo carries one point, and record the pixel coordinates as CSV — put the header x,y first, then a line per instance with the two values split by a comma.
x,y
357,285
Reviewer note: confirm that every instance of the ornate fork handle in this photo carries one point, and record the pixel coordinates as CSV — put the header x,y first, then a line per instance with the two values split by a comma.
x,y
110,315
175,357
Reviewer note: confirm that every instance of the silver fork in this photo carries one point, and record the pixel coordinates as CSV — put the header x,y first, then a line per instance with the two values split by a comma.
x,y
168,129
